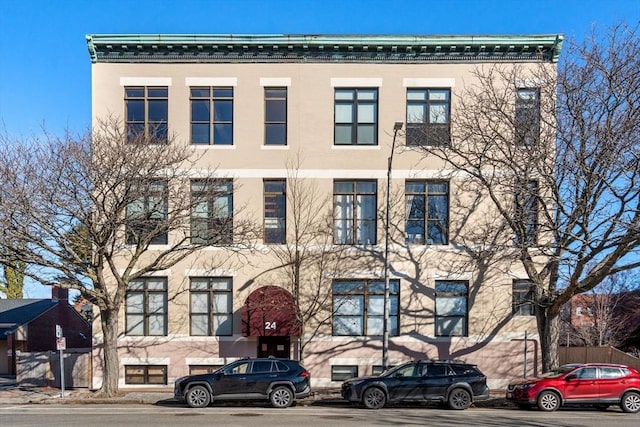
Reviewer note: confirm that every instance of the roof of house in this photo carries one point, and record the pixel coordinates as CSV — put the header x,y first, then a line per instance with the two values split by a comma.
x,y
221,48
17,312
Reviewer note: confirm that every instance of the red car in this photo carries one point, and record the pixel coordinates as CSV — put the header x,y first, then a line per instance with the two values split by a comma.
x,y
596,384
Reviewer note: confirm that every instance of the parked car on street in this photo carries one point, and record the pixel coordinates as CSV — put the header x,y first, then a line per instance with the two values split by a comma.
x,y
455,383
596,384
281,381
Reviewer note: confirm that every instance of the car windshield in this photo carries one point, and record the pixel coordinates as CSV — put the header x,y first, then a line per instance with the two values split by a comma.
x,y
559,371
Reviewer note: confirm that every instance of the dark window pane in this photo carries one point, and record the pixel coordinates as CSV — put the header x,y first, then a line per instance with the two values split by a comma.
x,y
223,134
222,92
223,111
135,110
200,110
200,133
276,134
200,92
158,111
276,111
275,92
158,92
134,92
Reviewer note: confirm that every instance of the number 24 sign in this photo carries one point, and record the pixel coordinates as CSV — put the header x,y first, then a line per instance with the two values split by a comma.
x,y
270,326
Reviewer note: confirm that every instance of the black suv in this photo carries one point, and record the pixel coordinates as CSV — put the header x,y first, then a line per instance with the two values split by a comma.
x,y
455,383
281,381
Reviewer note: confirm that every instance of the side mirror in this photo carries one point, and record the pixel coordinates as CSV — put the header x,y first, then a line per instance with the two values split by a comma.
x,y
570,377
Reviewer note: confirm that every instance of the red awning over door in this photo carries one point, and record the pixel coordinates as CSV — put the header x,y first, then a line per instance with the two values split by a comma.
x,y
270,311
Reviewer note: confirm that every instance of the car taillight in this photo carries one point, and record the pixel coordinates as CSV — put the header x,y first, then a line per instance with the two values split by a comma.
x,y
304,373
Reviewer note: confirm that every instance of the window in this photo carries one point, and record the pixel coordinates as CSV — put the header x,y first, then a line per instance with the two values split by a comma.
x,y
527,120
427,212
354,208
203,369
146,307
212,212
523,297
451,308
275,211
343,372
356,115
145,374
211,306
358,307
237,368
526,213
275,116
147,112
147,213
428,116
212,115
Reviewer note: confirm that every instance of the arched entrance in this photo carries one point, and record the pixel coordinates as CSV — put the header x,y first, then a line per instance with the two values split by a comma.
x,y
269,313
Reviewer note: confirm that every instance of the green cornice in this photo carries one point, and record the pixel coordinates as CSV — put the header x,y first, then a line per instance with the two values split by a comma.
x,y
321,48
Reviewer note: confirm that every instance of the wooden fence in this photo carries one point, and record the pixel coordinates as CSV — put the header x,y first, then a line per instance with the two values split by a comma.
x,y
596,354
43,368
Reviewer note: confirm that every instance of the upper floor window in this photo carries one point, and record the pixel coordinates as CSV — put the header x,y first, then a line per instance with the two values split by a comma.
x,y
146,307
452,314
275,210
427,212
354,212
522,297
146,214
147,113
212,212
428,116
212,115
358,307
275,116
356,116
526,213
211,306
527,120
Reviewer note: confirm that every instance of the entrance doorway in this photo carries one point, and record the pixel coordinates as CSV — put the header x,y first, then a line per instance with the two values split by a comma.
x,y
274,346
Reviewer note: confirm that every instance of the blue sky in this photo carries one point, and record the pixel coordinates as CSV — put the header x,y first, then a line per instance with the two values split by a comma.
x,y
45,72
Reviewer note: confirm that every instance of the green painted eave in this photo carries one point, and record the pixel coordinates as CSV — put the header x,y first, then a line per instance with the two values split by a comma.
x,y
319,48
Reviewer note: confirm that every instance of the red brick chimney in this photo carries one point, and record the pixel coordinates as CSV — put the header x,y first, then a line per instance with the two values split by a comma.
x,y
59,294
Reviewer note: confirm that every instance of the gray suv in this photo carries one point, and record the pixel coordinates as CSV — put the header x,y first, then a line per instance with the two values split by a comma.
x,y
280,381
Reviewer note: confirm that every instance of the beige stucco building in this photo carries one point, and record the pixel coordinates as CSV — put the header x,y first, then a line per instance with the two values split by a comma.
x,y
282,117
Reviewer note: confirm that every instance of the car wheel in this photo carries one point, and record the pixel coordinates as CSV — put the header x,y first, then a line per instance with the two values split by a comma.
x,y
630,402
548,401
459,399
198,397
281,397
374,398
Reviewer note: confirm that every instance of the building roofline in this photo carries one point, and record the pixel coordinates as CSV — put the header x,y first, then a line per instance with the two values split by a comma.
x,y
319,48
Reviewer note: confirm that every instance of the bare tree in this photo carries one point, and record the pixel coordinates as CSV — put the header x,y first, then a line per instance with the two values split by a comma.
x,y
597,317
309,259
98,211
557,158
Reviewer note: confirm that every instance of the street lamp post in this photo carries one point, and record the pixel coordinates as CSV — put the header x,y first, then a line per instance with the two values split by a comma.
x,y
385,326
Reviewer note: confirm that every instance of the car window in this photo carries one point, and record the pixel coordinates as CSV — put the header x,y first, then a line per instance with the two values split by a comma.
x,y
240,368
435,370
463,369
611,373
406,371
586,373
282,367
261,366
